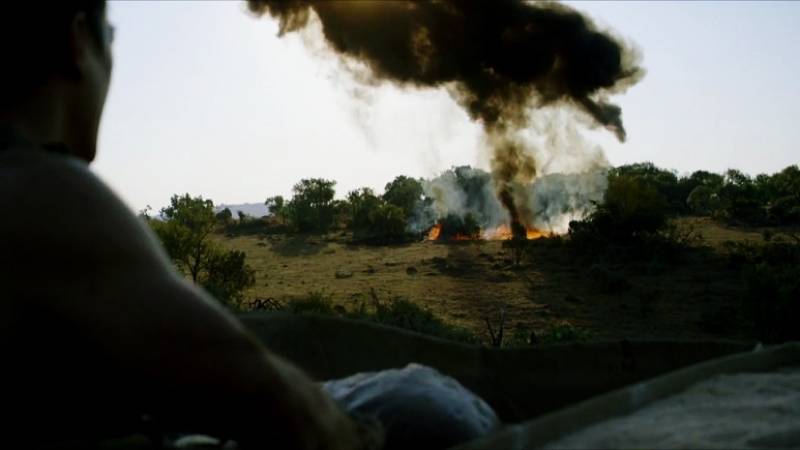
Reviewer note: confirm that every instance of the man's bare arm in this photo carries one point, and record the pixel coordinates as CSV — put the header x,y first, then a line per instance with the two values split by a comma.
x,y
105,276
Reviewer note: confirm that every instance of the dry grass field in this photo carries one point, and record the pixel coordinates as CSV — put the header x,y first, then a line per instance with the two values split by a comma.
x,y
466,283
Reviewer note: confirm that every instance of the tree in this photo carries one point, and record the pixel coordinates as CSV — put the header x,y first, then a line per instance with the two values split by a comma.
x,y
403,192
374,219
275,205
631,209
362,204
185,232
187,224
388,223
225,217
703,200
228,276
663,181
311,207
457,226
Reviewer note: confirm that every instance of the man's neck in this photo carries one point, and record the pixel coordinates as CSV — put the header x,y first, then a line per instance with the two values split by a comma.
x,y
36,122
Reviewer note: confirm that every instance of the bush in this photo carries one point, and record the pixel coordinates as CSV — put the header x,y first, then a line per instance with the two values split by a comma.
x,y
374,220
403,192
311,209
185,233
702,201
228,276
387,224
454,226
404,314
397,312
664,182
630,213
316,302
785,211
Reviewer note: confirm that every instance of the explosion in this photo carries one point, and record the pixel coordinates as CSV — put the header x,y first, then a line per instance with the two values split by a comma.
x,y
498,59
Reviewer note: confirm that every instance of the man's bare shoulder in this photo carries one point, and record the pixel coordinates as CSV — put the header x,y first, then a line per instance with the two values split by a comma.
x,y
61,218
73,248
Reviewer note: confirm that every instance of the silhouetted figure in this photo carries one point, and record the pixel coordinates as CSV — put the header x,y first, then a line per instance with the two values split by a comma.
x,y
97,328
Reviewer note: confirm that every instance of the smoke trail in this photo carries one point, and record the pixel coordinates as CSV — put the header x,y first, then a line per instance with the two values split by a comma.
x,y
498,59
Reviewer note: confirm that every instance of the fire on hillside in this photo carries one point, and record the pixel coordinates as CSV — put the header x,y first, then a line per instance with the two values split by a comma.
x,y
500,233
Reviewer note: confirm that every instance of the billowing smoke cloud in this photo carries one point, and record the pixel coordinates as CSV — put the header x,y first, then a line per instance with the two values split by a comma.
x,y
499,59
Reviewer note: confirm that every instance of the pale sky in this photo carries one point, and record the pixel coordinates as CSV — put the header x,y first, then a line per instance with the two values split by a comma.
x,y
207,99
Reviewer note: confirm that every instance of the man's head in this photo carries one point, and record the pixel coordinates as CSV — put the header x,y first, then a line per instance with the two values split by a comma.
x,y
57,68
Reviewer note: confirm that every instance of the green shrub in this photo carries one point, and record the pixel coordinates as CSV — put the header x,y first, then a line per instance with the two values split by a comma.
x,y
402,313
316,302
453,226
228,276
374,220
632,215
397,312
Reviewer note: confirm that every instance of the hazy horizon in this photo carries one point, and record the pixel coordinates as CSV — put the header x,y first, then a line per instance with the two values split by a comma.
x,y
207,99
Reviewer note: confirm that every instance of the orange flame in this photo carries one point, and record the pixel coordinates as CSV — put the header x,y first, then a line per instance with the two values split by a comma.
x,y
501,233
435,232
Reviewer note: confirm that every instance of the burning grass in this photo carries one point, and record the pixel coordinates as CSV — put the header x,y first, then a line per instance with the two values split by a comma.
x,y
500,233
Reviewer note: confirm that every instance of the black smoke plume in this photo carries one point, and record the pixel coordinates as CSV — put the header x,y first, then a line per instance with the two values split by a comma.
x,y
498,58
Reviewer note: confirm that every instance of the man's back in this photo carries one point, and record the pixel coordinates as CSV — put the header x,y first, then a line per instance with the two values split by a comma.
x,y
96,320
94,316
56,364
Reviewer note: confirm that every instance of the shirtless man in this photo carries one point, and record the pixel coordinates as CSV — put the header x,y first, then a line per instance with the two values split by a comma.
x,y
97,330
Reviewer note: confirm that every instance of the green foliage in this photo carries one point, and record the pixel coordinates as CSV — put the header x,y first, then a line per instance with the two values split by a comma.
x,y
785,210
374,220
362,205
454,226
630,211
275,205
737,198
185,230
403,192
227,276
733,196
388,223
225,217
405,314
664,182
311,208
703,200
316,302
397,312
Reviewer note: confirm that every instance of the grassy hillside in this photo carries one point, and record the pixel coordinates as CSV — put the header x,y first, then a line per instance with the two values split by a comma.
x,y
468,283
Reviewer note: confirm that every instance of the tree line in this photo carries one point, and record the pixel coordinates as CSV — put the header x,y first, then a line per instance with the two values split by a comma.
x,y
638,203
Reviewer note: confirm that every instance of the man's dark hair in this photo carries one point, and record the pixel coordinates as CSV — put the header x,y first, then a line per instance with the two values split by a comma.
x,y
33,41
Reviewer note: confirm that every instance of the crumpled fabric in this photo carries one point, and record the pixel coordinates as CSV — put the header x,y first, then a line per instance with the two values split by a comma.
x,y
416,405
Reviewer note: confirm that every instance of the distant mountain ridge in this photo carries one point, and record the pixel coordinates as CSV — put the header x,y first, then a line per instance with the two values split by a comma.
x,y
251,209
